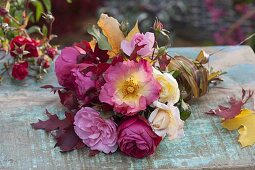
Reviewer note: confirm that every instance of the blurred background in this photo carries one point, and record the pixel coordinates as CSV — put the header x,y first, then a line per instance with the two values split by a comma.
x,y
191,22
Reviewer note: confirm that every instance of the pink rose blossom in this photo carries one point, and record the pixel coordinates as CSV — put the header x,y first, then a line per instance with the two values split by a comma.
x,y
147,40
130,87
96,132
65,62
136,138
82,82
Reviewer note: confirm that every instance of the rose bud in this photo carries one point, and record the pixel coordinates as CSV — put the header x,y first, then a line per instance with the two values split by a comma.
x,y
3,12
158,26
51,52
20,70
136,138
24,46
42,62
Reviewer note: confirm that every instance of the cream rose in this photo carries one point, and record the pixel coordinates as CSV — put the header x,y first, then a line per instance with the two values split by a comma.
x,y
165,119
170,92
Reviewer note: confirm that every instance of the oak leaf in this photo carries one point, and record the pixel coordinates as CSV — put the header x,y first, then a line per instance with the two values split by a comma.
x,y
65,135
245,123
54,123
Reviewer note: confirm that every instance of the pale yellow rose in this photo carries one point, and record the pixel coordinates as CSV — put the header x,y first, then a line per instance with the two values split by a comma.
x,y
165,120
170,92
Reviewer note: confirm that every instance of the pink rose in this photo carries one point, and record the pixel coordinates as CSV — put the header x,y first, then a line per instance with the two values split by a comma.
x,y
136,138
130,87
65,62
83,83
146,41
96,132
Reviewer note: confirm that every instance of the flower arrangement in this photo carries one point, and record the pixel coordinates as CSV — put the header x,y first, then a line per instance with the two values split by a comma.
x,y
122,90
28,44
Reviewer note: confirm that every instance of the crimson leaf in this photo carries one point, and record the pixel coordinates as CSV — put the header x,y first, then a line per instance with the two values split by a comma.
x,y
235,106
68,140
54,122
65,135
53,89
68,99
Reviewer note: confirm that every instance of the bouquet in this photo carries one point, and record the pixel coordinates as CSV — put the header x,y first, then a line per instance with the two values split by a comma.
x,y
28,44
123,91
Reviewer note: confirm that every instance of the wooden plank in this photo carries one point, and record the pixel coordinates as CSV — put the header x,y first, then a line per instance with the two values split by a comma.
x,y
205,145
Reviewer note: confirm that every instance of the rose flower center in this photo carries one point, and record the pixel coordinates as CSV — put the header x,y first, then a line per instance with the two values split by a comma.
x,y
130,88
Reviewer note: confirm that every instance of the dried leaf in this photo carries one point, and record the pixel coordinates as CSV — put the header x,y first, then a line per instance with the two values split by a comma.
x,y
133,32
54,122
215,75
68,99
235,106
188,72
245,123
53,89
110,27
65,135
202,57
68,140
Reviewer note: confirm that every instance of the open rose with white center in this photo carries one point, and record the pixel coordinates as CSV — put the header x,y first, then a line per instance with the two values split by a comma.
x,y
165,119
170,92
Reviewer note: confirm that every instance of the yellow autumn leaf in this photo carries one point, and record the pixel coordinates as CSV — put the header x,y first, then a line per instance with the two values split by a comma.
x,y
245,123
93,43
133,32
110,27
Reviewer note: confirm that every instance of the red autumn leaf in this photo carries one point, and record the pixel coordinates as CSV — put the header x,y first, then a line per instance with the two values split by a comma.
x,y
54,122
68,99
117,59
134,53
65,135
163,62
68,140
235,106
101,54
53,89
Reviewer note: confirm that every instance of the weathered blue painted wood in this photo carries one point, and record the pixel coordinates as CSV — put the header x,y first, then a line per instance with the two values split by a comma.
x,y
205,145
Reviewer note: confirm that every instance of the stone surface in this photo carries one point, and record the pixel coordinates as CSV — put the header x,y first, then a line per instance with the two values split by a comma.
x,y
205,145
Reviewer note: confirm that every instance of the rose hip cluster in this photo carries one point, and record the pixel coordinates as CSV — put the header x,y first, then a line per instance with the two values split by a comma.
x,y
27,51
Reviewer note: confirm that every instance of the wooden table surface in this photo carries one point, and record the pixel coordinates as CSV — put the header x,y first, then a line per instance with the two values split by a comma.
x,y
205,145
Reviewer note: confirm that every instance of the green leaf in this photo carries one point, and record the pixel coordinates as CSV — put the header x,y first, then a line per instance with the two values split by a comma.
x,y
185,110
102,41
175,73
47,4
106,115
39,9
44,30
34,29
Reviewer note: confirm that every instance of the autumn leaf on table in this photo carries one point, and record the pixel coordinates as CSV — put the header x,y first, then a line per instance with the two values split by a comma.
x,y
245,123
235,106
65,135
54,123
